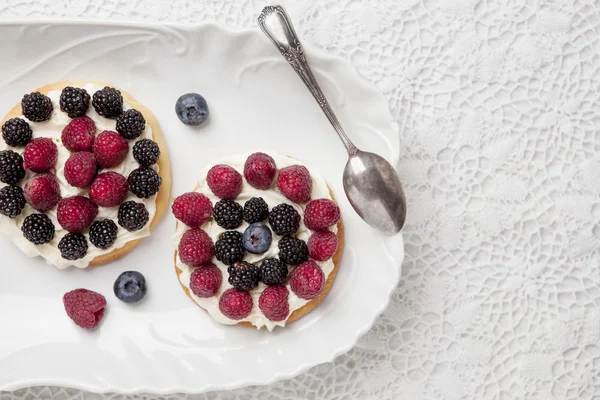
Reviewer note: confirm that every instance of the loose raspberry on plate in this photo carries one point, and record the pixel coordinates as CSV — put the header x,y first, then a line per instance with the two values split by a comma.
x,y
321,214
80,169
75,214
192,208
110,149
260,170
224,181
307,280
40,154
322,245
42,192
206,280
235,304
109,189
295,183
273,302
84,307
79,134
196,248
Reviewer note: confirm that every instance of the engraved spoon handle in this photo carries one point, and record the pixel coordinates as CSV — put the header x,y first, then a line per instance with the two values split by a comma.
x,y
275,23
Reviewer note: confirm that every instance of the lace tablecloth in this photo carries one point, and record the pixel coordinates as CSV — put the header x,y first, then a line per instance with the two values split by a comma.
x,y
499,103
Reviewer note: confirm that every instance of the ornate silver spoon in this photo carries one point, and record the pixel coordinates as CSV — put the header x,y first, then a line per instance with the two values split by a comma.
x,y
370,182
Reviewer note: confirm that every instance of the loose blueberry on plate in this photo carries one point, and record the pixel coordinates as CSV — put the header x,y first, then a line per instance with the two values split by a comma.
x,y
257,238
130,287
192,109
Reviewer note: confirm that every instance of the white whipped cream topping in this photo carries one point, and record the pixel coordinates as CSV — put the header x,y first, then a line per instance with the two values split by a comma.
x,y
272,197
11,228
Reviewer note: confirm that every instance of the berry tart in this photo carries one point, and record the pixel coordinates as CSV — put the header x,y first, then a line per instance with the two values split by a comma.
x,y
259,240
84,174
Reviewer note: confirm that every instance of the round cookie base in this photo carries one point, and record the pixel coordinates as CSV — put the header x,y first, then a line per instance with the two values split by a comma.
x,y
164,163
312,304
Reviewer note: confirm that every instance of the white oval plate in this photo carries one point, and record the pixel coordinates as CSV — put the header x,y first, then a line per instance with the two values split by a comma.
x,y
167,343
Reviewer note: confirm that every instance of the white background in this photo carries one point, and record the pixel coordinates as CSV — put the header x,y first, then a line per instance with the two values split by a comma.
x,y
499,104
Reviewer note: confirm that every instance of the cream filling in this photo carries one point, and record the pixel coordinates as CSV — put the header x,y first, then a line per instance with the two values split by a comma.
x,y
11,228
272,197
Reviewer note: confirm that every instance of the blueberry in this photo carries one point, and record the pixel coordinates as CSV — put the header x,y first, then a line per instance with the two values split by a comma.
x,y
257,238
191,108
130,287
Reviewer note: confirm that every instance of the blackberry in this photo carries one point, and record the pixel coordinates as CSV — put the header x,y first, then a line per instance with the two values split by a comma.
x,y
36,107
292,251
132,216
273,272
256,210
16,132
130,124
103,233
73,246
229,248
146,152
144,182
12,201
38,228
243,275
11,167
108,102
74,101
228,214
284,219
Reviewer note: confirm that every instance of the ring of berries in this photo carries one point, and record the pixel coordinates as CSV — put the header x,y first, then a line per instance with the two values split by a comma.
x,y
91,153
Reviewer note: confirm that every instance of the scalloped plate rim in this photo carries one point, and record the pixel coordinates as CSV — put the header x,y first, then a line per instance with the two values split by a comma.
x,y
396,260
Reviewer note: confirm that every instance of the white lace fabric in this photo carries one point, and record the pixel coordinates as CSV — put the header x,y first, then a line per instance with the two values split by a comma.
x,y
499,107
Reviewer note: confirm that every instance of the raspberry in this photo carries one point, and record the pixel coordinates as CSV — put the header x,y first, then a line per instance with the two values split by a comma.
x,y
40,155
12,201
130,124
16,132
206,280
74,101
133,216
295,183
284,219
192,208
322,245
11,167
75,214
84,307
243,275
110,149
228,214
144,182
273,272
38,228
292,251
321,214
80,169
259,170
109,189
196,248
108,102
103,233
273,302
36,107
73,246
42,192
79,134
255,210
146,152
224,181
307,280
235,304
